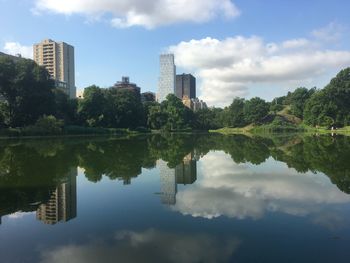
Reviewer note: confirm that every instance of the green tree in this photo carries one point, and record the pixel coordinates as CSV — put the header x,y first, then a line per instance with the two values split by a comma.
x,y
92,108
65,108
298,100
156,118
125,108
210,118
255,109
178,115
330,106
235,113
27,92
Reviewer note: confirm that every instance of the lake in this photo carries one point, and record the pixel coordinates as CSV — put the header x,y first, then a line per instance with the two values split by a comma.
x,y
176,198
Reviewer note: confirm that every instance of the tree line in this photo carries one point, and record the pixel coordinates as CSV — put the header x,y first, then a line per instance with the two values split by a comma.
x,y
28,97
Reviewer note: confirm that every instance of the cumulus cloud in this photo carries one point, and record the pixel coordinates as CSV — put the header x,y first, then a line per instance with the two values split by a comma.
x,y
237,191
149,14
229,67
15,48
330,33
148,246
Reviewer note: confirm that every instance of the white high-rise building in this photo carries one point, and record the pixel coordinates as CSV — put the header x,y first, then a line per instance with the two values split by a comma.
x,y
58,59
167,77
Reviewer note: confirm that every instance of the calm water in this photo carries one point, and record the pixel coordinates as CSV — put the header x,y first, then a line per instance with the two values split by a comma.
x,y
176,198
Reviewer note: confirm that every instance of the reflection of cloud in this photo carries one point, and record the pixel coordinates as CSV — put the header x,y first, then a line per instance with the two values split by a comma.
x,y
19,215
238,191
148,246
330,220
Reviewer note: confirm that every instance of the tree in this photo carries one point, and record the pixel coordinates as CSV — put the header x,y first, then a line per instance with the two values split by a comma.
x,y
27,91
156,118
210,118
298,100
178,116
255,109
330,106
125,108
65,108
235,114
92,108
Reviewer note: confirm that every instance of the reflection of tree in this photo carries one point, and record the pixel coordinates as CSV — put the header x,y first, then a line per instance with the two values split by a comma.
x,y
30,170
325,154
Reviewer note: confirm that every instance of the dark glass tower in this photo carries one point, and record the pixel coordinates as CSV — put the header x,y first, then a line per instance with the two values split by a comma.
x,y
185,86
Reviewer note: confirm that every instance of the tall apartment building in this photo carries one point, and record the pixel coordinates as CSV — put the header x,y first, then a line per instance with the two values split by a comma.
x,y
58,59
185,86
167,77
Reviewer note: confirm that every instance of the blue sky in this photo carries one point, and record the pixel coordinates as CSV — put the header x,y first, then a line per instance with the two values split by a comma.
x,y
235,48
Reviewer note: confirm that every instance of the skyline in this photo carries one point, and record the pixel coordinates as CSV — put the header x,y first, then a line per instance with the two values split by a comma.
x,y
253,49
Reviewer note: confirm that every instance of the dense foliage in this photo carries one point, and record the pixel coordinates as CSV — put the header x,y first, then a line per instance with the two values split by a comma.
x,y
27,94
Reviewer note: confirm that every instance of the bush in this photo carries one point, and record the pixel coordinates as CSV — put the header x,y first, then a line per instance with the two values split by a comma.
x,y
46,125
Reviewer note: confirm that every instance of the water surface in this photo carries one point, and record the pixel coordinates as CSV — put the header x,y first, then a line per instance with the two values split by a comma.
x,y
176,198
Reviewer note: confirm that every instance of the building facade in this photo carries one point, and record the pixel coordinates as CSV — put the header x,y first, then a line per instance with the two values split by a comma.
x,y
148,97
58,59
185,86
198,104
167,79
125,84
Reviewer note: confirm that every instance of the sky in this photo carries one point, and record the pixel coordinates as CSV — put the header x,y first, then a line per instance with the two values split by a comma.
x,y
244,48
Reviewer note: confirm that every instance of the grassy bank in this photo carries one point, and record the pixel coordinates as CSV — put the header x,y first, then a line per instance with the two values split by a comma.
x,y
33,131
280,129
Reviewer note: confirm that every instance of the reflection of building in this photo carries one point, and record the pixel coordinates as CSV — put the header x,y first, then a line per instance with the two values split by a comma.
x,y
125,84
184,173
168,185
58,59
62,205
167,76
185,86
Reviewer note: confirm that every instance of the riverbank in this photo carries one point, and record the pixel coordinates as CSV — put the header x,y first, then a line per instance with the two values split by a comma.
x,y
263,129
68,131
80,131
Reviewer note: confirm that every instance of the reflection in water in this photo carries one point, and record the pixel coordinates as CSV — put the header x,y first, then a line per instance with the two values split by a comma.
x,y
147,246
184,173
62,205
37,176
296,190
241,191
168,186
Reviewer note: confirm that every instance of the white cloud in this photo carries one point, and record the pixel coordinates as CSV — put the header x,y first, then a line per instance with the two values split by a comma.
x,y
238,191
149,14
333,32
148,246
229,67
15,48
